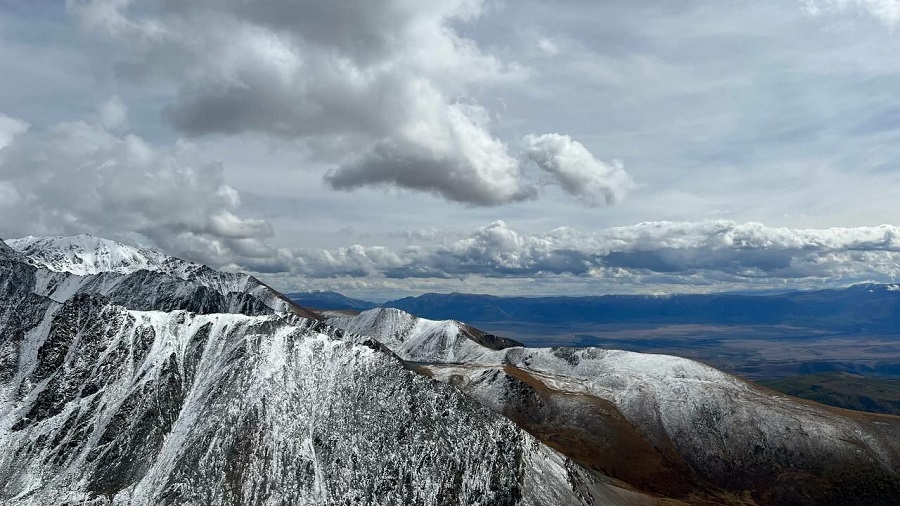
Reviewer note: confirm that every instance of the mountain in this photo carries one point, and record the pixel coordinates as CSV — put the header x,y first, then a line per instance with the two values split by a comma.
x,y
667,425
8,253
869,307
86,254
324,300
183,385
763,336
142,279
215,390
421,340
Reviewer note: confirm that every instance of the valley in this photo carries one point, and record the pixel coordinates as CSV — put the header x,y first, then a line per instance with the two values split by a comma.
x,y
750,351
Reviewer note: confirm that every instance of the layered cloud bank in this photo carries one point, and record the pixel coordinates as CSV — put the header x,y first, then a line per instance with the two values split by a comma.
x,y
80,176
644,258
648,257
704,251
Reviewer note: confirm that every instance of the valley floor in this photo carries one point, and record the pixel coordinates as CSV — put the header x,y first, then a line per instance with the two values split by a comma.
x,y
753,352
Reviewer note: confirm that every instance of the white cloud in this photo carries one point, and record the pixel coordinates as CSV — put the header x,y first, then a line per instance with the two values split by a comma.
x,y
114,114
886,11
574,167
548,46
382,81
659,254
457,159
383,91
9,128
80,177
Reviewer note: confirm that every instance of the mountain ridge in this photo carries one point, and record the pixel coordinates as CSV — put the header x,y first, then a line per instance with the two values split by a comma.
x,y
86,254
329,300
875,307
239,404
691,428
142,279
247,401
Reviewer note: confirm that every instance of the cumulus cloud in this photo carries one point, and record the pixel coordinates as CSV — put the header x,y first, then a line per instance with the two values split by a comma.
x,y
384,90
714,253
886,11
459,161
574,167
77,177
382,80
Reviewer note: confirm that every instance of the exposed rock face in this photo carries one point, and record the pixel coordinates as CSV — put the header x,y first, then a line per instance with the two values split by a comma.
x,y
665,424
210,400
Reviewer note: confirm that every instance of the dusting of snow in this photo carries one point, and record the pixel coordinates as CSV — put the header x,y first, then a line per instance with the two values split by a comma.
x,y
67,266
309,417
101,404
718,423
84,255
411,338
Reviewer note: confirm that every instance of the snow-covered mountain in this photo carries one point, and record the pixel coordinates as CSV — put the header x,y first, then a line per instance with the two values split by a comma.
x,y
666,424
133,378
419,339
138,278
102,403
86,254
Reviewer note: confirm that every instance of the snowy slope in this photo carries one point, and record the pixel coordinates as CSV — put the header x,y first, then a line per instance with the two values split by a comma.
x,y
174,408
86,254
102,404
419,339
687,418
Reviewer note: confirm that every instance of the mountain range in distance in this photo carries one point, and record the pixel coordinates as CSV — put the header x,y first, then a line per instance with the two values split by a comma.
x,y
329,300
854,330
840,347
868,307
132,378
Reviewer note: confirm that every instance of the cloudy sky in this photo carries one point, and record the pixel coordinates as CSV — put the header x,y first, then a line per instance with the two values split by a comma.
x,y
514,147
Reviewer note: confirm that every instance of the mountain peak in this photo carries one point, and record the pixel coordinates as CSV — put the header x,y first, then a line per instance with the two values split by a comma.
x,y
86,254
420,339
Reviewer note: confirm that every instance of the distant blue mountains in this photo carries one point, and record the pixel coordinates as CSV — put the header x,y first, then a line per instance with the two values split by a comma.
x,y
863,308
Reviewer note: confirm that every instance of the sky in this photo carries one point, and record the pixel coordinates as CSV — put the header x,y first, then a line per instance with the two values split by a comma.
x,y
393,148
